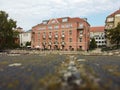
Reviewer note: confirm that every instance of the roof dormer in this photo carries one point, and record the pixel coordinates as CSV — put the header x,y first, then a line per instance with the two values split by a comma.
x,y
65,19
53,21
45,21
110,19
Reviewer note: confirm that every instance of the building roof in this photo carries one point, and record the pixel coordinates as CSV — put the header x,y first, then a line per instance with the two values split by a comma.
x,y
97,29
113,14
29,31
75,19
19,29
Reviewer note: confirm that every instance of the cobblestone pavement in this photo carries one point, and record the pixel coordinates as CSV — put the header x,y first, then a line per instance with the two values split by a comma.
x,y
58,72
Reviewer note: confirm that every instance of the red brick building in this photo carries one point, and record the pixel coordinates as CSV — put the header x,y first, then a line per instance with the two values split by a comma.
x,y
61,33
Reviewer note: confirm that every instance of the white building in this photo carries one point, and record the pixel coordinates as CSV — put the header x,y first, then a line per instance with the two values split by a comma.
x,y
98,34
25,37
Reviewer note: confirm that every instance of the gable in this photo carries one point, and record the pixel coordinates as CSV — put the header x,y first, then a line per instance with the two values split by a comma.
x,y
53,21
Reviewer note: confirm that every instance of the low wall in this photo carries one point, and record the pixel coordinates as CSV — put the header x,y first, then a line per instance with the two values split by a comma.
x,y
110,53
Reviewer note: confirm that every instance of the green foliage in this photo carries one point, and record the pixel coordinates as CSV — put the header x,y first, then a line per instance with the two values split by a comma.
x,y
93,44
6,30
28,44
114,35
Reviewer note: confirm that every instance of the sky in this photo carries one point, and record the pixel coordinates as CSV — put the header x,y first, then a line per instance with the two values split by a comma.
x,y
29,13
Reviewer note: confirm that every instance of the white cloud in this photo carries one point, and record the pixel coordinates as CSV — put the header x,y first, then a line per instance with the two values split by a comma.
x,y
28,13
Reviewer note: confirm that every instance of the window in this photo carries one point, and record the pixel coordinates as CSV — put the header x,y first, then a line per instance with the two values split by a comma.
x,y
56,27
38,40
41,28
68,25
63,38
63,43
80,39
39,34
64,19
56,42
53,21
62,26
44,22
70,32
80,47
50,42
70,39
63,32
110,19
80,25
81,31
49,27
43,33
56,35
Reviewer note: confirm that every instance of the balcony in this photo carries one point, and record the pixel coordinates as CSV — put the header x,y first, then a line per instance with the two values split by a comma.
x,y
81,35
108,27
50,43
56,43
43,43
63,43
56,36
63,36
44,36
50,36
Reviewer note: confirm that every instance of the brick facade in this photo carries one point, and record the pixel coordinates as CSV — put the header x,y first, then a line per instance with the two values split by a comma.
x,y
61,33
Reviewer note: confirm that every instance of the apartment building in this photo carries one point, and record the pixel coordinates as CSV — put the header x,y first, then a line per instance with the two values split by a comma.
x,y
111,22
98,33
25,37
61,33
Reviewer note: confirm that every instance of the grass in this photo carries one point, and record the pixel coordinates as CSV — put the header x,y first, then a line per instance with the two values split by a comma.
x,y
112,69
53,81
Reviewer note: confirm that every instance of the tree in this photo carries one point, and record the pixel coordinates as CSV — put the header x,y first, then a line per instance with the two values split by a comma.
x,y
28,44
6,30
93,44
114,35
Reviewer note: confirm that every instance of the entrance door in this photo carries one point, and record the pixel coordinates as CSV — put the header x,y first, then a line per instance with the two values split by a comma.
x,y
55,47
70,47
63,47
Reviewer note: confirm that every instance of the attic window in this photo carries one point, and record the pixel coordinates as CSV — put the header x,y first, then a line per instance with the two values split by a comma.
x,y
45,22
64,19
110,19
53,21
